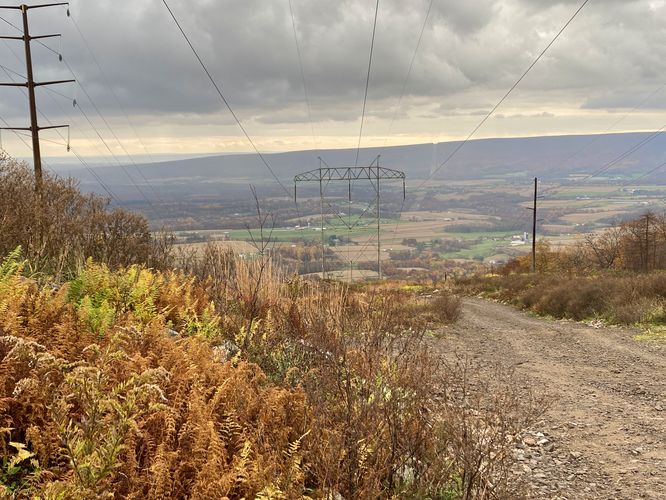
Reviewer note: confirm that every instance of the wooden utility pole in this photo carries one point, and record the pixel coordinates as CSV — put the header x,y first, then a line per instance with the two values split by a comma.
x,y
31,84
534,222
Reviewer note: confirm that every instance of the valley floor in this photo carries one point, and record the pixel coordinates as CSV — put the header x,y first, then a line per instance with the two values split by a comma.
x,y
603,434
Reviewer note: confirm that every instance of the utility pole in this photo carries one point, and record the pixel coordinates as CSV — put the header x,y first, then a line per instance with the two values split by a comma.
x,y
534,222
31,84
321,208
379,240
647,242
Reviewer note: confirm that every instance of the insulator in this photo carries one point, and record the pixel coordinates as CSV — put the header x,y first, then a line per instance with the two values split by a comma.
x,y
74,102
68,14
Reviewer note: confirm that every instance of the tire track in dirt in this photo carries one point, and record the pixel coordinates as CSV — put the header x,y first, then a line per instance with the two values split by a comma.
x,y
607,411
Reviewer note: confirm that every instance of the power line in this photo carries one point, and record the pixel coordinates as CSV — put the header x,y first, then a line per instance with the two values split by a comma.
x,y
22,138
93,173
360,134
623,155
78,156
30,85
36,40
652,171
62,59
85,164
120,164
70,118
397,222
225,101
113,134
642,176
402,95
612,125
90,170
409,70
9,70
305,86
122,108
106,188
597,137
367,83
506,95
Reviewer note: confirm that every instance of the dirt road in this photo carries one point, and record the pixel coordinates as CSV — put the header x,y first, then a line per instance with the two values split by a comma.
x,y
604,434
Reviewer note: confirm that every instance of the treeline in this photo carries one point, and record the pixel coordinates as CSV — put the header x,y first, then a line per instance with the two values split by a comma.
x,y
638,245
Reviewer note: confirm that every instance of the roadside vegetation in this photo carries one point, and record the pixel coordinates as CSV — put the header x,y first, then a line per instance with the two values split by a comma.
x,y
617,276
136,373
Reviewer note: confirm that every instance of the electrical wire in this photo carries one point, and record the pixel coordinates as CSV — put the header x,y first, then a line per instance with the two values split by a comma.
x,y
9,70
623,155
409,71
106,123
25,143
397,222
367,83
121,107
85,164
48,166
612,126
504,97
226,102
62,59
642,176
402,95
303,80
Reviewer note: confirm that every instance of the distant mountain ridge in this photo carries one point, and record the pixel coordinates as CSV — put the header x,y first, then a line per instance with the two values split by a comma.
x,y
549,157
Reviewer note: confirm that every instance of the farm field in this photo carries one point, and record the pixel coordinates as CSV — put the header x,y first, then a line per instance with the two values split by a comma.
x,y
479,221
344,275
237,247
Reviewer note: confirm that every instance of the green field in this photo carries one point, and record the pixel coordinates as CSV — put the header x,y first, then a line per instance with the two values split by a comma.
x,y
480,234
479,251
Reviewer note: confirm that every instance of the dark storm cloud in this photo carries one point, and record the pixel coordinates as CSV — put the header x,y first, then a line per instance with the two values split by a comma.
x,y
472,51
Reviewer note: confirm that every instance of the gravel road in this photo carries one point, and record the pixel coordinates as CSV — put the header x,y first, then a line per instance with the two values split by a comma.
x,y
604,433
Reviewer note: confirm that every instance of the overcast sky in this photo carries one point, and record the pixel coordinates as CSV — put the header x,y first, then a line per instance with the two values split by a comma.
x,y
611,59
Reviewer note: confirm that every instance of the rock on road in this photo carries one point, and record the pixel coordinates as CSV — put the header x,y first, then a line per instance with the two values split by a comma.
x,y
605,426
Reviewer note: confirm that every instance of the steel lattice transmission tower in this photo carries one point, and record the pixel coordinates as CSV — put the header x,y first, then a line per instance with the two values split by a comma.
x,y
374,173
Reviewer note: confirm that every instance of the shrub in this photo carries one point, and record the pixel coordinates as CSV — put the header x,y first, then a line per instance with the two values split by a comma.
x,y
447,308
59,233
618,298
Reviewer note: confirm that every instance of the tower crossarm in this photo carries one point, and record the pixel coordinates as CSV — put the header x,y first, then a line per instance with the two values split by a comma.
x,y
348,174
